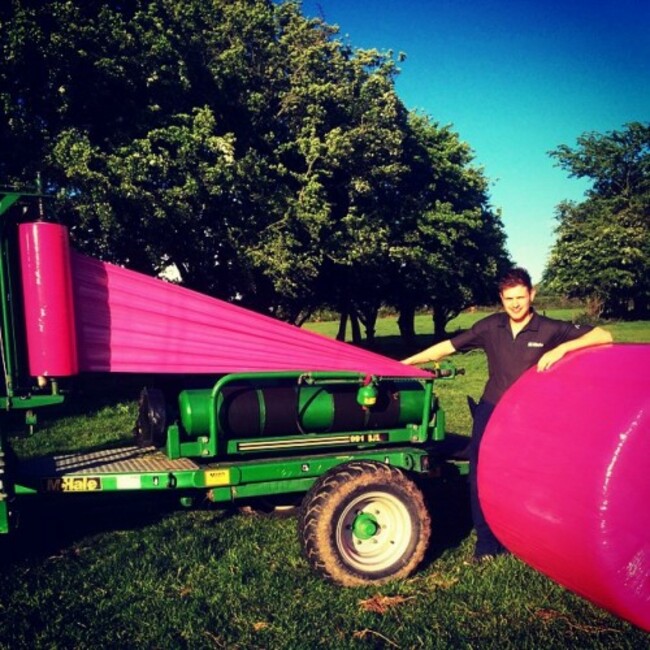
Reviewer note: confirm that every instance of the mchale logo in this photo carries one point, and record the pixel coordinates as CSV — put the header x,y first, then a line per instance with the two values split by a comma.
x,y
74,484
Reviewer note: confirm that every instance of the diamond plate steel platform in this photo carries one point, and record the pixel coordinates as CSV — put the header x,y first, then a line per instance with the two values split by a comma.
x,y
125,460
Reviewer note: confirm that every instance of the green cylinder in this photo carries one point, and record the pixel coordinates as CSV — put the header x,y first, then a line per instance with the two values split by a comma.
x,y
411,403
195,411
252,411
315,409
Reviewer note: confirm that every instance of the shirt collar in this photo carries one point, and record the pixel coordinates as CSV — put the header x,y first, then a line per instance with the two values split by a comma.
x,y
532,325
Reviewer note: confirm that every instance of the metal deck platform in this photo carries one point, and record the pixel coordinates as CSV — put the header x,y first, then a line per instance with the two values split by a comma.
x,y
127,460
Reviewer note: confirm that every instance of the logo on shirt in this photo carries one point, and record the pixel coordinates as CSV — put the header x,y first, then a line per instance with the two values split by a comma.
x,y
535,344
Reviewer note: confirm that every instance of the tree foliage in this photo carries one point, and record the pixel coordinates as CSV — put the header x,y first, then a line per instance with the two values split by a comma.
x,y
451,248
602,250
248,146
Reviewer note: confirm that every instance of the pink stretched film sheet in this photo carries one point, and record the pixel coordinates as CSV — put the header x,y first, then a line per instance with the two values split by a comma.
x,y
129,322
123,321
47,299
563,475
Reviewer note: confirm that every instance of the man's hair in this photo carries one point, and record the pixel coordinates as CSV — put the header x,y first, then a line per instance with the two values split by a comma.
x,y
515,277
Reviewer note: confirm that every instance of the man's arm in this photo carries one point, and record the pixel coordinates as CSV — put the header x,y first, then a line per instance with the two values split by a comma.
x,y
596,336
434,353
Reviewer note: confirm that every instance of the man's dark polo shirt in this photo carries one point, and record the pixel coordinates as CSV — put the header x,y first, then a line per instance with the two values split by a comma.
x,y
508,357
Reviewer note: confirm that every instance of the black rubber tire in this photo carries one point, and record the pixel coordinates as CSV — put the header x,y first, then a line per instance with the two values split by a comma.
x,y
389,500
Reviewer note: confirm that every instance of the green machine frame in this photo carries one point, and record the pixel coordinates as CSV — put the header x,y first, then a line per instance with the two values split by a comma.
x,y
200,455
18,394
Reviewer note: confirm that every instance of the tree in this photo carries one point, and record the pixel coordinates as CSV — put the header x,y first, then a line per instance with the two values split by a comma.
x,y
238,141
115,103
451,248
249,147
343,162
602,249
368,192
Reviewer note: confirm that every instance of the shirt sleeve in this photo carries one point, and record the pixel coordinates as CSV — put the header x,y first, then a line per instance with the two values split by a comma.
x,y
565,331
472,338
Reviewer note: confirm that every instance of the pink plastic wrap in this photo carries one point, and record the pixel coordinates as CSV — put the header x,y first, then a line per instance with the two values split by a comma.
x,y
129,322
48,299
564,475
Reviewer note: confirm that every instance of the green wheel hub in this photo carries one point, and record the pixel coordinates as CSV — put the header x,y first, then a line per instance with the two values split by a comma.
x,y
374,531
365,526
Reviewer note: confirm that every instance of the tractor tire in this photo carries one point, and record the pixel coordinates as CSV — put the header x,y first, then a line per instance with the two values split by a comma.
x,y
364,523
150,427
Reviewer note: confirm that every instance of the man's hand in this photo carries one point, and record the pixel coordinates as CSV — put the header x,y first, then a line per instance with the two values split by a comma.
x,y
549,358
596,336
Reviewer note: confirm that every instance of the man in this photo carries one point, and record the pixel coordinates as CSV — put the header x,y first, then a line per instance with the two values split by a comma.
x,y
514,341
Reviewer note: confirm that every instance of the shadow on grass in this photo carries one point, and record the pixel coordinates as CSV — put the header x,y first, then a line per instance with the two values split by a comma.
x,y
54,526
450,517
448,501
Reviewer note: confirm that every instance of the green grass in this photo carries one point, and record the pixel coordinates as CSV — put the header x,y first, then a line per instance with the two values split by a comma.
x,y
125,573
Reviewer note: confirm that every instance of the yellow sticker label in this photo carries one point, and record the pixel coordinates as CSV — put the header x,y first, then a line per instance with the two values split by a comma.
x,y
215,477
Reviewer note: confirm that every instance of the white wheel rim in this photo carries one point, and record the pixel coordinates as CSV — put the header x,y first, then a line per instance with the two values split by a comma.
x,y
391,539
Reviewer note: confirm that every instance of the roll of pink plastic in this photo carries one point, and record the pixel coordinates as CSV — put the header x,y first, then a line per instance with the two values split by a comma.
x,y
564,475
48,299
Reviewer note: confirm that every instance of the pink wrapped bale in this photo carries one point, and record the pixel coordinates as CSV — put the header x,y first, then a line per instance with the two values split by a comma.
x,y
564,475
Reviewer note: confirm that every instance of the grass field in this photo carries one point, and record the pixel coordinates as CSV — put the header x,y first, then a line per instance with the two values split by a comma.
x,y
137,573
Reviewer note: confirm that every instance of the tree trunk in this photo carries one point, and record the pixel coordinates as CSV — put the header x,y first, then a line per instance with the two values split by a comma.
x,y
302,317
440,320
369,319
406,324
354,324
350,315
343,323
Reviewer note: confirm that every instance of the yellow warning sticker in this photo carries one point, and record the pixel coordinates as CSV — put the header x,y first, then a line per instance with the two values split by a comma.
x,y
215,477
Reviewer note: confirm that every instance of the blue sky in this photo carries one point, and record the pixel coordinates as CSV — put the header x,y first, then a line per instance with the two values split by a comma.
x,y
515,78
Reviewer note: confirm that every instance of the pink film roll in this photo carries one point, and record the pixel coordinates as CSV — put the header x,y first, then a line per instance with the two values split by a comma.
x,y
48,299
564,475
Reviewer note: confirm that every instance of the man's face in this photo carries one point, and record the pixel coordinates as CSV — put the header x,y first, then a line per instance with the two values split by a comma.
x,y
517,301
